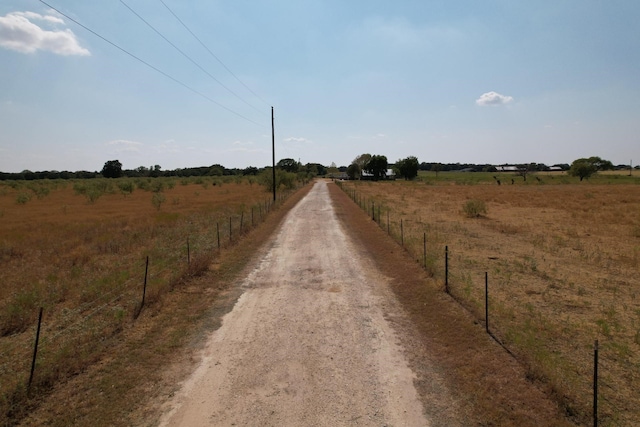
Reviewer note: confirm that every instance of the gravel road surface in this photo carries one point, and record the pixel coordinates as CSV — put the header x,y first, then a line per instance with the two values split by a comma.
x,y
307,343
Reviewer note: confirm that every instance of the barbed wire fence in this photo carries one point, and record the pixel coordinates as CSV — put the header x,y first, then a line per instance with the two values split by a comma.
x,y
582,383
70,338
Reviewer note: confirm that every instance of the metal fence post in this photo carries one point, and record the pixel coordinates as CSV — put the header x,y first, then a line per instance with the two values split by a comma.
x,y
35,350
486,300
424,250
446,269
595,384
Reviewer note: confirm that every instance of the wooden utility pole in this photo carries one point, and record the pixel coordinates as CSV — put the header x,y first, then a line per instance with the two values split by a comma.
x,y
273,154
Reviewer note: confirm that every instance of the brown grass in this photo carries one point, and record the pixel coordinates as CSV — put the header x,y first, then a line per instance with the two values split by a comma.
x,y
84,263
563,270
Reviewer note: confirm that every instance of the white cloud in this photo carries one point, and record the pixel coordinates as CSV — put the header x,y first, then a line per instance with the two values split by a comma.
x,y
299,140
18,32
242,143
122,145
493,98
246,147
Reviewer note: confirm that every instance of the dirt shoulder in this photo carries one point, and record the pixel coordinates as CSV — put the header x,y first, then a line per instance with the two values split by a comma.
x,y
486,381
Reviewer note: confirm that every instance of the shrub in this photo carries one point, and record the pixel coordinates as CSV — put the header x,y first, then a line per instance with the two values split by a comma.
x,y
157,200
126,187
474,208
22,198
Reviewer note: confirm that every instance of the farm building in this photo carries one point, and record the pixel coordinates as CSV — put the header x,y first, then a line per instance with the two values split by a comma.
x,y
366,176
508,169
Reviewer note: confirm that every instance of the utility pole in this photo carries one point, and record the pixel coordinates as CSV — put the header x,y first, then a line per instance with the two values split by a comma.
x,y
273,154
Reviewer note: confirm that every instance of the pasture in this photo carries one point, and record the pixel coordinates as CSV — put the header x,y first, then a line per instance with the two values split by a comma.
x,y
562,260
78,249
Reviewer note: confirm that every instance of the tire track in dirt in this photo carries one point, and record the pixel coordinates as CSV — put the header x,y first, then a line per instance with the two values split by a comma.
x,y
307,343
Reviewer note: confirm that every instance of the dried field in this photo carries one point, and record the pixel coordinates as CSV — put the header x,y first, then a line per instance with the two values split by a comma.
x,y
78,249
562,262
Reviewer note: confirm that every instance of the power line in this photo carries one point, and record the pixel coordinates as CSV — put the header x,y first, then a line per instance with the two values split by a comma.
x,y
187,56
212,54
149,65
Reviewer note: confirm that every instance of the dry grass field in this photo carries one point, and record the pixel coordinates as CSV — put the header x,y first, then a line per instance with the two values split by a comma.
x,y
562,259
78,249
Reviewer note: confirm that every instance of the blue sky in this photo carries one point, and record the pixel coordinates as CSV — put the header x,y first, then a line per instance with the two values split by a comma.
x,y
493,81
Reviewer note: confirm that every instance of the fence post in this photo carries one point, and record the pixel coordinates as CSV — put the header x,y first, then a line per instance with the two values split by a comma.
x,y
424,250
252,223
379,221
241,220
446,269
595,384
402,232
373,211
486,300
188,252
35,350
388,224
144,286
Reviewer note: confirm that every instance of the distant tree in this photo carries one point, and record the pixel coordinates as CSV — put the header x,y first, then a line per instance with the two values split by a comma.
x,y
437,167
407,168
333,170
586,167
582,168
216,170
112,169
251,170
377,166
155,171
288,165
315,169
362,160
600,164
353,171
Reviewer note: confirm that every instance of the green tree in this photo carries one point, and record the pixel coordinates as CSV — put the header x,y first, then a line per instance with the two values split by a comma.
x,y
112,169
600,164
362,160
582,168
288,165
353,171
407,168
585,167
251,170
377,166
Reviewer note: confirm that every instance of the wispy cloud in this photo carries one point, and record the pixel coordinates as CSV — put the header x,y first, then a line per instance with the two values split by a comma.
x,y
246,147
123,145
493,98
298,140
19,32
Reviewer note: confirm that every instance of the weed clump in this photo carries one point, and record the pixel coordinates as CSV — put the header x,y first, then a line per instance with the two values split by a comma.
x,y
474,208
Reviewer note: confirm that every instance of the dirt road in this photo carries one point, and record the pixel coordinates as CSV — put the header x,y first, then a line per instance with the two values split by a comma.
x,y
307,343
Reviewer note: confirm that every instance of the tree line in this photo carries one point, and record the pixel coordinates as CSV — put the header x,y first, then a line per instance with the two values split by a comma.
x,y
113,169
374,167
